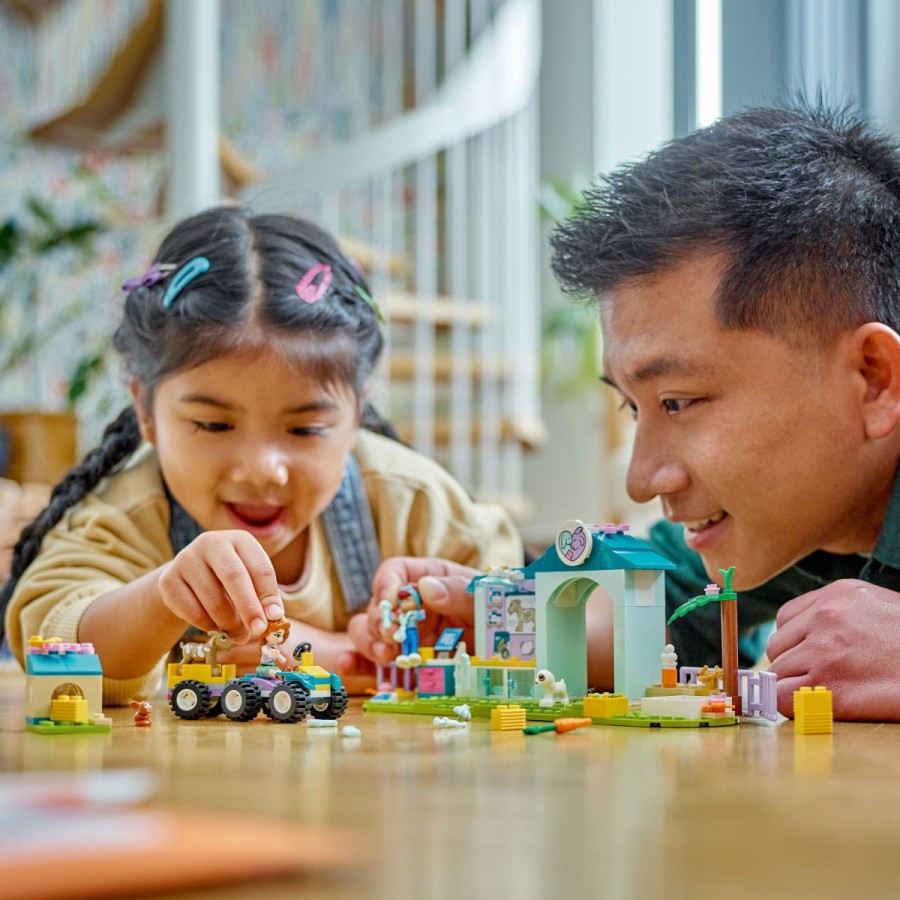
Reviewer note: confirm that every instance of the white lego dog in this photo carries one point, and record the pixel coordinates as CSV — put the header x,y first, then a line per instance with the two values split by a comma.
x,y
554,691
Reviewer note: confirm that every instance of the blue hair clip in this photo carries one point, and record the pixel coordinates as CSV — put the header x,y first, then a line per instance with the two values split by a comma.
x,y
183,277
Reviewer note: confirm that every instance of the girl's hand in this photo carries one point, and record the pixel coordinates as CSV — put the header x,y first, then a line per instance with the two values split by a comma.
x,y
442,587
223,580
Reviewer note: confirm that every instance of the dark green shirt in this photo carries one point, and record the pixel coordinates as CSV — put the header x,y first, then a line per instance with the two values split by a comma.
x,y
697,637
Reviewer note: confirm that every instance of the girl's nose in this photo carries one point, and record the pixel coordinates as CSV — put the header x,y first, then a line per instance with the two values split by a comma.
x,y
263,467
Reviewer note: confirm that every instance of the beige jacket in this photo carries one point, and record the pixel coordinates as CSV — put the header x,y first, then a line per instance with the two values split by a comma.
x,y
121,531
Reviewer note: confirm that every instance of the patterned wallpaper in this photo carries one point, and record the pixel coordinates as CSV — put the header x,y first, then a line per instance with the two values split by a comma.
x,y
294,74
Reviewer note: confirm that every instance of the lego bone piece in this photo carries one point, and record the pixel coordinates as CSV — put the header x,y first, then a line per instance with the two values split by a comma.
x,y
444,722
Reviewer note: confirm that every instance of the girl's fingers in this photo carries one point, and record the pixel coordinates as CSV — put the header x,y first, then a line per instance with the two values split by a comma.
x,y
181,600
262,575
244,570
447,596
368,640
393,573
211,594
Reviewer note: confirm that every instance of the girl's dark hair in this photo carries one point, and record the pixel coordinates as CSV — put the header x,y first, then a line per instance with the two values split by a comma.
x,y
803,201
246,299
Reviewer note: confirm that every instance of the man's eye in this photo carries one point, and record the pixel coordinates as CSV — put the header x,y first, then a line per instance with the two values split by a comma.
x,y
211,426
308,431
674,406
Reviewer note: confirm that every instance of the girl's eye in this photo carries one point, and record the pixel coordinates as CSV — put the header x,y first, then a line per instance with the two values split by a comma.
x,y
627,404
211,426
308,431
675,406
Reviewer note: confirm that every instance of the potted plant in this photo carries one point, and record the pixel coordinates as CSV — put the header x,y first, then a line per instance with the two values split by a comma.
x,y
40,440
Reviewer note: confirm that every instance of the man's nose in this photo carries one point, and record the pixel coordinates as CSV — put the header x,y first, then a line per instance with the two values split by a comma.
x,y
654,470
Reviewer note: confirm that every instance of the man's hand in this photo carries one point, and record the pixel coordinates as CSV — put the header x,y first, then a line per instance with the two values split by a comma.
x,y
844,637
442,587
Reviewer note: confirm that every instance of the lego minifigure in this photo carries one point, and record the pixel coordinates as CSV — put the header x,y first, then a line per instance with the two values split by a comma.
x,y
271,659
409,614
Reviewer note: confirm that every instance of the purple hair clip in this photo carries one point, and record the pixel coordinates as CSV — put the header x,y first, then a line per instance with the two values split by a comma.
x,y
156,273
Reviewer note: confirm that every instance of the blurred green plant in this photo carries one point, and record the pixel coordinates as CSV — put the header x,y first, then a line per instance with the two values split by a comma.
x,y
560,199
27,243
571,349
571,346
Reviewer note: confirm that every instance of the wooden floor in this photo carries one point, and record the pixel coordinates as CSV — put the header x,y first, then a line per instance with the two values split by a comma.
x,y
748,811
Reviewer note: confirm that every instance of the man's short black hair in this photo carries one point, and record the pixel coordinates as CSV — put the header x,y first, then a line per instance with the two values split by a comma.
x,y
805,202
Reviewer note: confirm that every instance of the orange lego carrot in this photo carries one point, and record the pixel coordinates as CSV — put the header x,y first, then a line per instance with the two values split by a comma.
x,y
564,725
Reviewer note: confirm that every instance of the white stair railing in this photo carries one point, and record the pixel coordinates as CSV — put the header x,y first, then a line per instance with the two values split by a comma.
x,y
449,186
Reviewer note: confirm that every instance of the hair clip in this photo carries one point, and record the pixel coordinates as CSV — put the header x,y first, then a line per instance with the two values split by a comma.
x,y
156,273
183,277
307,290
368,299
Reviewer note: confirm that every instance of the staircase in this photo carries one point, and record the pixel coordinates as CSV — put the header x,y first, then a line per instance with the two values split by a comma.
x,y
444,193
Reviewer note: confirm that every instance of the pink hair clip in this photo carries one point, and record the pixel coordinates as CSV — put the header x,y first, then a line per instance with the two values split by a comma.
x,y
309,291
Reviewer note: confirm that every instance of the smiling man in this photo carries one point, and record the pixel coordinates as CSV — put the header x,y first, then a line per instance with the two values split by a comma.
x,y
748,277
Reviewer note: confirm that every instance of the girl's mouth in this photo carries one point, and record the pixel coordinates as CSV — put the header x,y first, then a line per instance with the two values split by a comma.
x,y
258,519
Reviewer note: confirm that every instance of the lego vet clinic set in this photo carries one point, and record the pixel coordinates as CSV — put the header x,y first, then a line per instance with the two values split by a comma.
x,y
530,659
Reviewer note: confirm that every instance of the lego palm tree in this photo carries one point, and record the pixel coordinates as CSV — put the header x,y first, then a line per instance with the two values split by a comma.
x,y
728,611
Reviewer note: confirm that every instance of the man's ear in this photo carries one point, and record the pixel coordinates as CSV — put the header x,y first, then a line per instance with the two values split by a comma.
x,y
877,349
143,405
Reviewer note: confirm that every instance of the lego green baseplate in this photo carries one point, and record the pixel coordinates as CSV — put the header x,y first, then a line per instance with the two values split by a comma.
x,y
68,728
480,708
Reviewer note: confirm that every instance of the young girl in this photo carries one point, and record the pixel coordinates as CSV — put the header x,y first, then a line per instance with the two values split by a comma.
x,y
239,487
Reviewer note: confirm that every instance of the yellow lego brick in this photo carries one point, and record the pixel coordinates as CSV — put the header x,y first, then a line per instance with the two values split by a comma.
x,y
497,662
681,690
507,718
605,706
316,671
37,641
813,711
199,672
69,709
427,653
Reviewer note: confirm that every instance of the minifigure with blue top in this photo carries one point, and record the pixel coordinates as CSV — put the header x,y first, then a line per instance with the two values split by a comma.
x,y
409,614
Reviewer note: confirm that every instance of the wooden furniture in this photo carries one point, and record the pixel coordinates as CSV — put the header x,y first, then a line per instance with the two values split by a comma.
x,y
747,811
43,445
19,504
